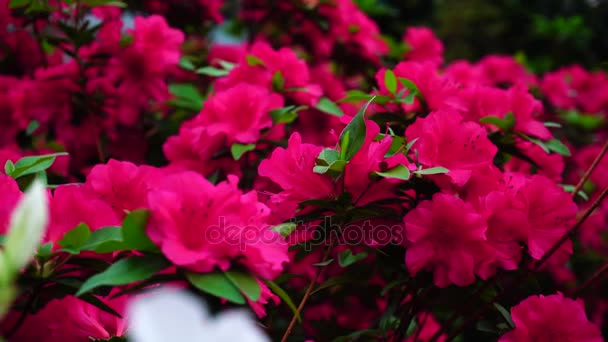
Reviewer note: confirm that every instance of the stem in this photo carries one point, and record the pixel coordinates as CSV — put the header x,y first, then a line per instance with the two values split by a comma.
x,y
26,309
597,276
587,174
307,294
571,231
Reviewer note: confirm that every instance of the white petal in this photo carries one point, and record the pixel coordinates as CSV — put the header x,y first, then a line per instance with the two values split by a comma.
x,y
28,224
167,315
236,326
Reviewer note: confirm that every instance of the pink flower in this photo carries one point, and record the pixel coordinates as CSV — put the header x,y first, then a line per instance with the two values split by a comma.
x,y
201,226
122,185
75,204
71,319
551,318
488,101
293,70
447,236
424,45
550,165
438,91
240,113
550,213
292,170
426,328
573,87
445,140
141,68
507,228
353,28
194,149
501,70
10,196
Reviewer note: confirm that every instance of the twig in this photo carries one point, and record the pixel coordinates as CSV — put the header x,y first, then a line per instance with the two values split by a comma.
x,y
571,231
307,294
587,173
597,276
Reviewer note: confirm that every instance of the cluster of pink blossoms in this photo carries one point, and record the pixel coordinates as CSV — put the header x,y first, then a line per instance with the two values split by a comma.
x,y
299,165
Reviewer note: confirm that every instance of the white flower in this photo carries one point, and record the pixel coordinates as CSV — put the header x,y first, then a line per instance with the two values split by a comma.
x,y
27,226
168,315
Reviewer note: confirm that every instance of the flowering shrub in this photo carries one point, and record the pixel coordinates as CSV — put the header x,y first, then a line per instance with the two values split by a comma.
x,y
339,185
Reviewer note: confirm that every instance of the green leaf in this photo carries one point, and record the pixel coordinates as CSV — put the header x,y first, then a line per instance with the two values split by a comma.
x,y
390,81
505,124
328,106
18,3
134,231
254,61
558,147
45,251
187,96
356,96
33,164
552,124
237,150
570,188
409,145
536,141
185,63
31,127
433,171
74,239
246,283
284,115
411,86
105,240
9,167
505,314
284,298
324,263
284,228
95,3
353,135
227,65
398,172
216,284
337,166
212,71
278,81
126,271
347,258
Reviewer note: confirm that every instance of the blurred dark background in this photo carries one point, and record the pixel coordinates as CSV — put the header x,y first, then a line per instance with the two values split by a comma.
x,y
544,34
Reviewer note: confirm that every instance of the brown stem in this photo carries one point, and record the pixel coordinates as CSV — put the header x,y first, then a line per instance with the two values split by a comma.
x,y
307,294
587,174
597,276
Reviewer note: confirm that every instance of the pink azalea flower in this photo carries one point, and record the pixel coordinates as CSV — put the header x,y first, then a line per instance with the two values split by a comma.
x,y
448,237
201,226
240,113
488,101
292,170
71,319
75,204
445,140
424,45
122,185
551,318
550,212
